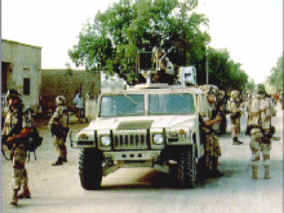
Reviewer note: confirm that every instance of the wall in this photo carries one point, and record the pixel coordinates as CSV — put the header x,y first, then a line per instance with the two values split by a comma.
x,y
25,62
66,82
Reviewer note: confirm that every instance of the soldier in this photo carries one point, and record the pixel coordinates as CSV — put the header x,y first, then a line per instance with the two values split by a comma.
x,y
59,127
162,62
163,66
209,120
16,132
235,109
221,105
260,130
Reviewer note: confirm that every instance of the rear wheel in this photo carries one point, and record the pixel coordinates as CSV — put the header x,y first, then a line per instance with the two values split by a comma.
x,y
90,169
186,169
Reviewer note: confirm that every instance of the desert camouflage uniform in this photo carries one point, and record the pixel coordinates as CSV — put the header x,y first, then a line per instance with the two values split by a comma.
x,y
222,108
260,111
60,118
212,146
13,125
235,108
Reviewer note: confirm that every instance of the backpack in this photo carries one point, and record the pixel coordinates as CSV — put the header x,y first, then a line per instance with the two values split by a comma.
x,y
33,141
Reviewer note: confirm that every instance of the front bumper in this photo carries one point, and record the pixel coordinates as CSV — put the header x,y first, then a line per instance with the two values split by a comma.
x,y
133,155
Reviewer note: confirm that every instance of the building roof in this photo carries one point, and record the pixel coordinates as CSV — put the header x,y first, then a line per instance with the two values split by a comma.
x,y
19,43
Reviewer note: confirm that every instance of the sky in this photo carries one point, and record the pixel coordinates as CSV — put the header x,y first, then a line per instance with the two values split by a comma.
x,y
251,30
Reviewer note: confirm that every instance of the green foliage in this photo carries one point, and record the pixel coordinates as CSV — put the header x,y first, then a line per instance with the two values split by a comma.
x,y
116,37
224,72
277,75
251,85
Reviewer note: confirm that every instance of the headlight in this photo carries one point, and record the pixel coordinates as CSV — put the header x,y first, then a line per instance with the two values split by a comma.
x,y
105,140
158,139
182,132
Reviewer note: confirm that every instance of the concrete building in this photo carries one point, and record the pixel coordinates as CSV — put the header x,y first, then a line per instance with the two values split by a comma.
x,y
21,70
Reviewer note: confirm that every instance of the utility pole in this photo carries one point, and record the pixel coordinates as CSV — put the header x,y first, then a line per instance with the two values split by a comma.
x,y
206,65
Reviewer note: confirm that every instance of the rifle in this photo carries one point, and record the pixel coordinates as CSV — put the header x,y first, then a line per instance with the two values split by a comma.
x,y
203,126
59,130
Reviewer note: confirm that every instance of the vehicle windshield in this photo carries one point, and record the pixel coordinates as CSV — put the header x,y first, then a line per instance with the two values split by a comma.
x,y
122,105
171,104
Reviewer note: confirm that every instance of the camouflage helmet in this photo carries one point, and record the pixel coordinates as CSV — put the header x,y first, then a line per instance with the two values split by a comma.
x,y
12,93
60,100
260,89
210,89
235,94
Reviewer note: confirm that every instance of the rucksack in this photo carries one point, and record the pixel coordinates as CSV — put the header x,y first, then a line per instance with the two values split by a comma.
x,y
33,141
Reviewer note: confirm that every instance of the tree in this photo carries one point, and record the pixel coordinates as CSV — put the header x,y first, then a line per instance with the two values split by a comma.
x,y
277,75
251,85
224,72
116,37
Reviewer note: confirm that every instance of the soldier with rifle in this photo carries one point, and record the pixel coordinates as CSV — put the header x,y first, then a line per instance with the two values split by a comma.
x,y
163,66
15,134
59,128
260,130
235,109
209,123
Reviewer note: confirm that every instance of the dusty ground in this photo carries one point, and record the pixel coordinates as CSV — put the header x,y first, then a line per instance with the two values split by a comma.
x,y
58,190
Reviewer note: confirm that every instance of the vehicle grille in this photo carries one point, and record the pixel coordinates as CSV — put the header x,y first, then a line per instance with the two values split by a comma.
x,y
173,137
130,140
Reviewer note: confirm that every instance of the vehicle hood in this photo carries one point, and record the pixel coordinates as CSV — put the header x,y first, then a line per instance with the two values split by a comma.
x,y
149,122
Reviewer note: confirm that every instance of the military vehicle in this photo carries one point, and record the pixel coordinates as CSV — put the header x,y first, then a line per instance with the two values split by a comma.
x,y
148,125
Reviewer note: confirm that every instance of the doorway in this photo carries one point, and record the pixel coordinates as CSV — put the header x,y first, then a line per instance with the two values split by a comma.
x,y
6,69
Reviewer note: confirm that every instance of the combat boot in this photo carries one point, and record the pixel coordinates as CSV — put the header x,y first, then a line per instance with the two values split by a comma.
x,y
25,194
64,158
254,172
267,172
58,162
14,201
236,141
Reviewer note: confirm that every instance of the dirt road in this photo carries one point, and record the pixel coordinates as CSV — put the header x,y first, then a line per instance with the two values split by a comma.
x,y
58,190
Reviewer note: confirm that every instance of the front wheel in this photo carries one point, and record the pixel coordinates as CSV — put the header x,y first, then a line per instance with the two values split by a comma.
x,y
90,169
186,169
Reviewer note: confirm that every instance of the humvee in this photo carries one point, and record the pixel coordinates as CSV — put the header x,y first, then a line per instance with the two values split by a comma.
x,y
148,125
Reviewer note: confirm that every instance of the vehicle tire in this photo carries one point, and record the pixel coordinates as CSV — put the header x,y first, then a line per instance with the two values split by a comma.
x,y
186,169
90,169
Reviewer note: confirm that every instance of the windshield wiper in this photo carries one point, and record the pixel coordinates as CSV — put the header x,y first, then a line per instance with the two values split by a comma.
x,y
131,99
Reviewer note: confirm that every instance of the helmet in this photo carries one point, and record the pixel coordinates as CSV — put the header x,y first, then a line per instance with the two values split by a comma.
x,y
260,89
234,94
12,93
60,100
210,89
